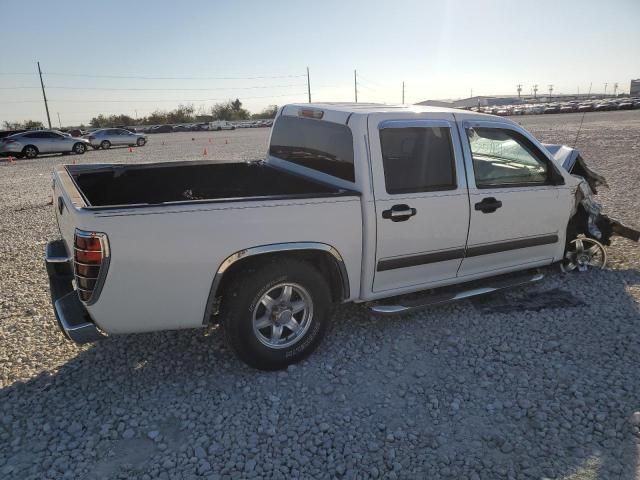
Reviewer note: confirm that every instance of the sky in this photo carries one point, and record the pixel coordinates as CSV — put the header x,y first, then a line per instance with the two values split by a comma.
x,y
134,57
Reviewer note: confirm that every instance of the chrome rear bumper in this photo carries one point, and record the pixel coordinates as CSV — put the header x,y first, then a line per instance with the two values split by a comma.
x,y
71,315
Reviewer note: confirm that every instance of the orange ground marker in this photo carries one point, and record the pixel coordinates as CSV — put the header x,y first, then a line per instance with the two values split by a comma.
x,y
204,152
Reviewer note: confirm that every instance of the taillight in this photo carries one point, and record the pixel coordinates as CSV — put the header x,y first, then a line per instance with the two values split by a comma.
x,y
90,263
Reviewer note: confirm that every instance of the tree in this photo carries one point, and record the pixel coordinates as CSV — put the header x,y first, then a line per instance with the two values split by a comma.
x,y
229,110
27,125
268,113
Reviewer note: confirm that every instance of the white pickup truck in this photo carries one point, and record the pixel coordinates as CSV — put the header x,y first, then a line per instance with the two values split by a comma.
x,y
353,203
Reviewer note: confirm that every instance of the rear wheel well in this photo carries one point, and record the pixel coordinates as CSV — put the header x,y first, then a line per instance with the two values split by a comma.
x,y
322,261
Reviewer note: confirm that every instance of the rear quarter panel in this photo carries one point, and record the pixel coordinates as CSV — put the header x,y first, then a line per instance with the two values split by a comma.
x,y
164,258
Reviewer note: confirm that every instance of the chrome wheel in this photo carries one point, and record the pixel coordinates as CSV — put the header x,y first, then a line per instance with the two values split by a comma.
x,y
282,315
105,144
79,148
584,253
141,142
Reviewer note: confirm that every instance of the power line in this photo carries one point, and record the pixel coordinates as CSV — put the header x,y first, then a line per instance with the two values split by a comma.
x,y
176,89
156,77
134,100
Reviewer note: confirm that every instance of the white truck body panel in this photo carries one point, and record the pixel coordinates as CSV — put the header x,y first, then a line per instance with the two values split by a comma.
x,y
164,257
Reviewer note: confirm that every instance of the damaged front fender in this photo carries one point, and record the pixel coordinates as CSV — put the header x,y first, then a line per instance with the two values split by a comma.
x,y
587,217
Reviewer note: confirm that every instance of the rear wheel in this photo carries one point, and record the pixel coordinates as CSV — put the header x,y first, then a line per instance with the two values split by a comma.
x,y
79,148
141,142
105,144
30,151
276,314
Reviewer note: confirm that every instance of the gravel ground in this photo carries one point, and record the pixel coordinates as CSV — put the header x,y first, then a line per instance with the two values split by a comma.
x,y
532,383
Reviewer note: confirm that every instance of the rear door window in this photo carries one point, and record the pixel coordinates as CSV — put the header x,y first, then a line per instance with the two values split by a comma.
x,y
320,145
417,159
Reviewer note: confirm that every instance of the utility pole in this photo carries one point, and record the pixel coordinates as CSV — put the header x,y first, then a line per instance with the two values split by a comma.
x,y
308,85
535,91
471,93
605,88
355,84
59,122
403,93
550,91
44,95
615,89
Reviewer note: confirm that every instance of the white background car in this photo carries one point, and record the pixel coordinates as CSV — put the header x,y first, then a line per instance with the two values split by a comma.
x,y
107,137
221,125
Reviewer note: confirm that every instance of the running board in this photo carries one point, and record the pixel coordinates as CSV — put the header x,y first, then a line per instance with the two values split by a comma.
x,y
415,301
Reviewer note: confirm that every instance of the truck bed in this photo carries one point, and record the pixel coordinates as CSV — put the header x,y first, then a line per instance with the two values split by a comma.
x,y
157,183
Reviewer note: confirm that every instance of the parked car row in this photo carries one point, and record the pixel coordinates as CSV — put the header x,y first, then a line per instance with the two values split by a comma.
x,y
31,143
572,106
216,125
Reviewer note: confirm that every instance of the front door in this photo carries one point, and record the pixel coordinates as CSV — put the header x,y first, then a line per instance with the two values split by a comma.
x,y
421,201
517,220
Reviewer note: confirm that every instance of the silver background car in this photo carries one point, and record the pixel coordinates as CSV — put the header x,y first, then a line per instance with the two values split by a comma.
x,y
107,137
31,144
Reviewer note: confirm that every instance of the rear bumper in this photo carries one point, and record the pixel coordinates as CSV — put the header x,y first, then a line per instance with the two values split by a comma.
x,y
72,316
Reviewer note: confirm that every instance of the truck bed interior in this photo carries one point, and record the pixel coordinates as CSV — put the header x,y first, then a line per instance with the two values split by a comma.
x,y
115,185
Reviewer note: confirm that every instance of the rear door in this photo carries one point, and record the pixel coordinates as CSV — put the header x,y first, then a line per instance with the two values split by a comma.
x,y
127,137
59,143
421,200
517,218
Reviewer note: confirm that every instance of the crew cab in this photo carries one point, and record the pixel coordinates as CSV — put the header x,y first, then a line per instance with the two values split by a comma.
x,y
394,207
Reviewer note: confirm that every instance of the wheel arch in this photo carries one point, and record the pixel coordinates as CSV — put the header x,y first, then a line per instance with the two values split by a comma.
x,y
324,257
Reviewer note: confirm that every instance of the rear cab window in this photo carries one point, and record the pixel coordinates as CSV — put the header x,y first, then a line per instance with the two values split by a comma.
x,y
417,159
320,145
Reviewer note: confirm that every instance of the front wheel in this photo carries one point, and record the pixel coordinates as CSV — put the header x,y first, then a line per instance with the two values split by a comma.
x,y
141,142
276,314
79,148
105,144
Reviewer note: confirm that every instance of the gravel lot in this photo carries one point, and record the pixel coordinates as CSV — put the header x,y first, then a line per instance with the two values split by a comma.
x,y
532,383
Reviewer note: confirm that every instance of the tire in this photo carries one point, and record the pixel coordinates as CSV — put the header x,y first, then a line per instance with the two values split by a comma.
x,y
141,142
105,144
242,311
30,152
79,148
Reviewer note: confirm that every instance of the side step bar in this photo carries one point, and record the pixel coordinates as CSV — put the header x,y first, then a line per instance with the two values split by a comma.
x,y
415,301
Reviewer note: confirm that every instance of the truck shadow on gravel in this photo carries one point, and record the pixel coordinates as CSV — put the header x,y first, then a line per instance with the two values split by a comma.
x,y
530,383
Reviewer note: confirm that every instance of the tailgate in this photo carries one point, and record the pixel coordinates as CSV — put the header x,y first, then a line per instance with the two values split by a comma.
x,y
66,202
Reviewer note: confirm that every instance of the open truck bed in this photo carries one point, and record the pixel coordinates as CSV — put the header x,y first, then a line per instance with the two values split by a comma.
x,y
157,183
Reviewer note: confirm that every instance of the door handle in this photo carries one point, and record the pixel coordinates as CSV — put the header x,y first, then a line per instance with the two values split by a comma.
x,y
399,213
488,205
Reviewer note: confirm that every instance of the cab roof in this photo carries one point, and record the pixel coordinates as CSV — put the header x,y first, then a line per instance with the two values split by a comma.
x,y
341,111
